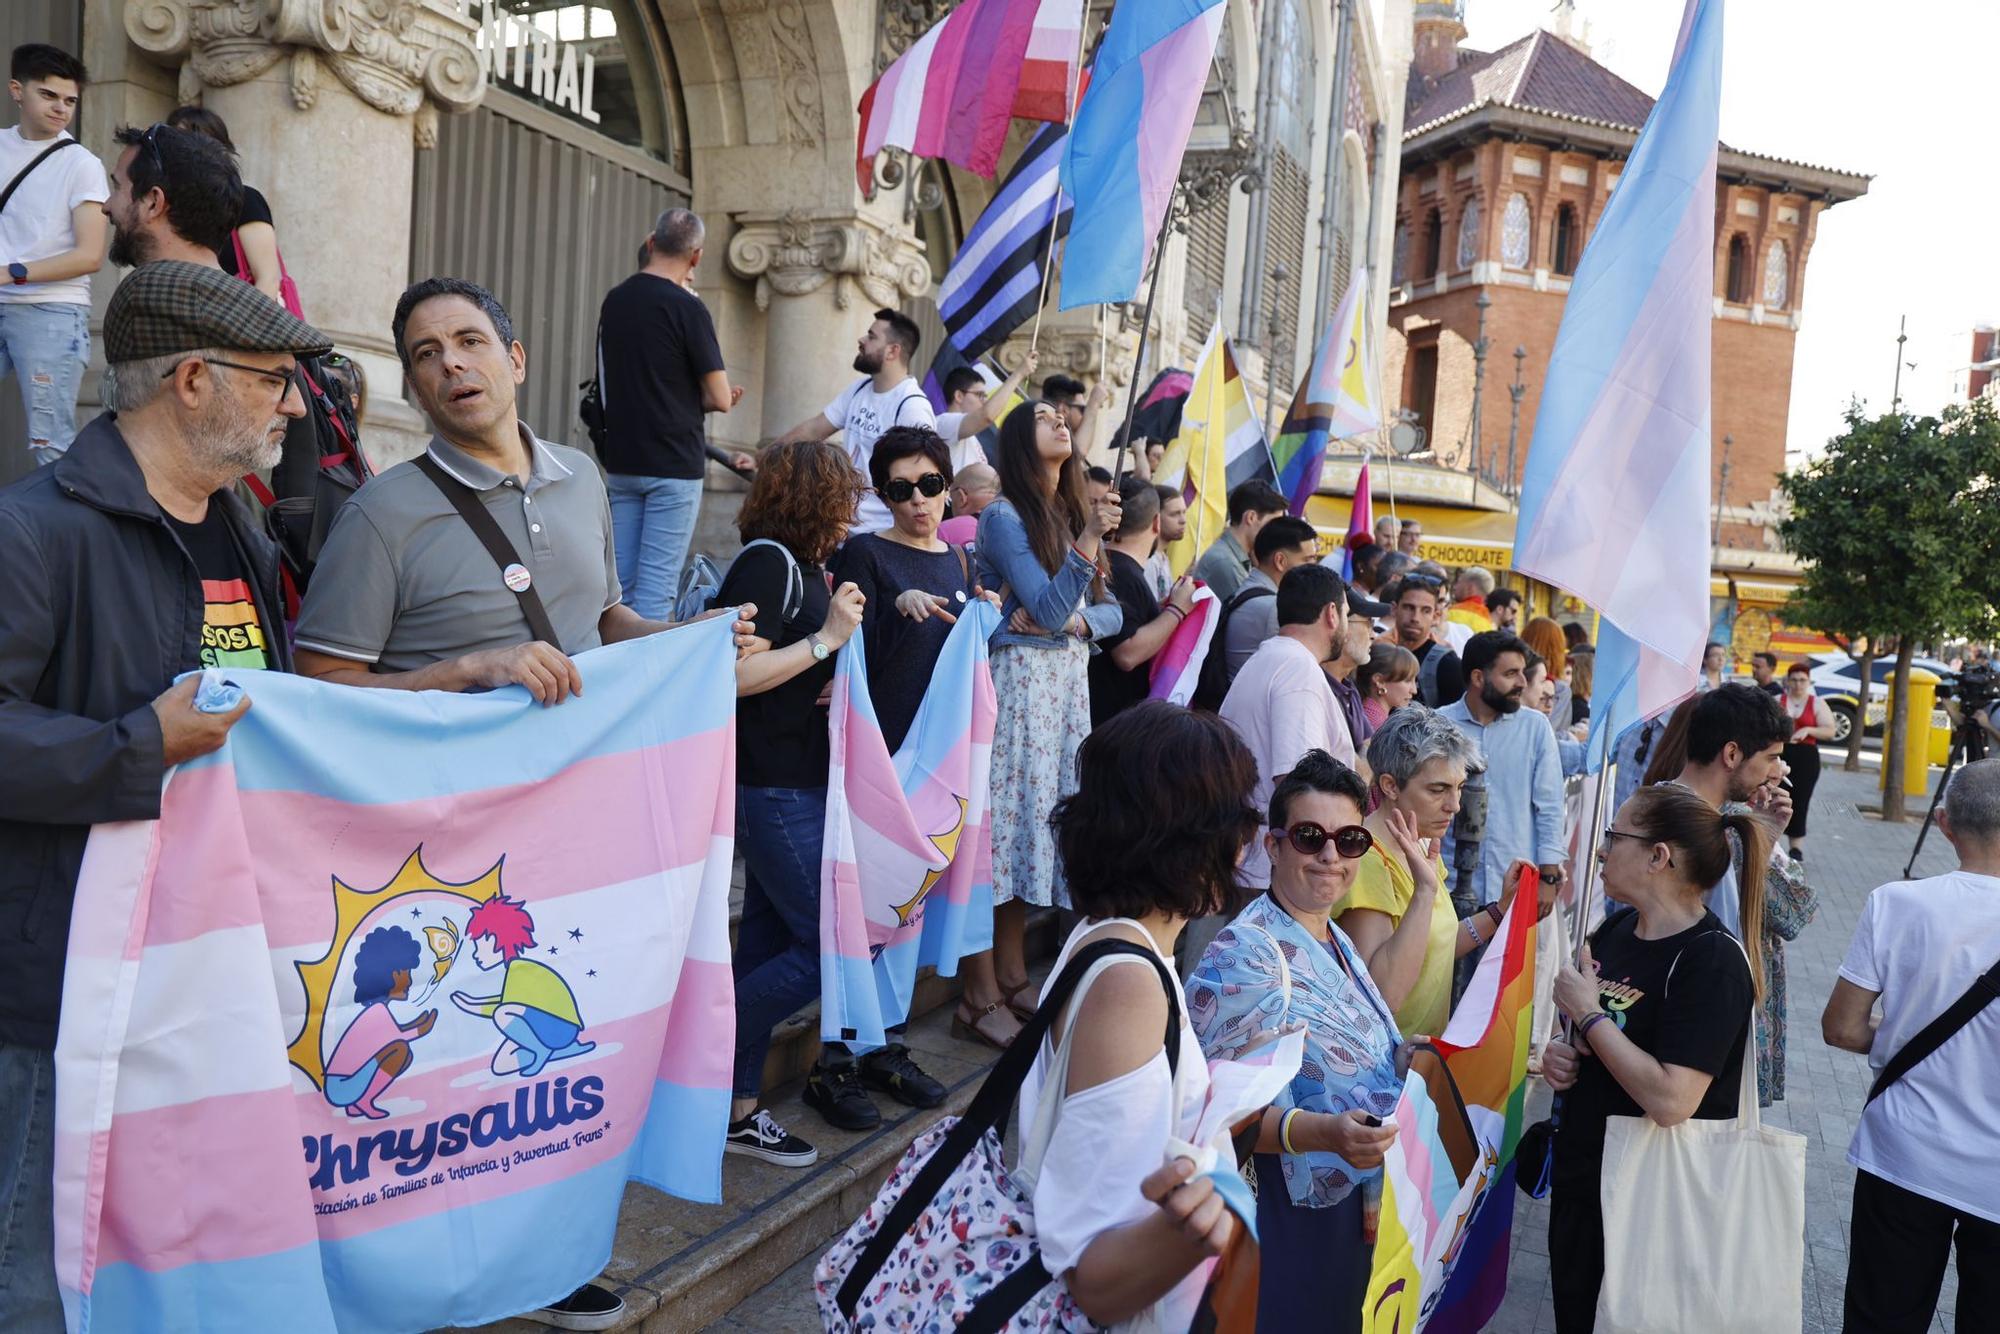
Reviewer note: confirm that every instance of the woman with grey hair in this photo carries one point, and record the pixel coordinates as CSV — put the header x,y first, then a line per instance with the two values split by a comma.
x,y
1397,913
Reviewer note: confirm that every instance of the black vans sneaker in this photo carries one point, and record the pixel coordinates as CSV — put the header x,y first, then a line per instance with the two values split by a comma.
x,y
833,1089
589,1307
891,1070
758,1136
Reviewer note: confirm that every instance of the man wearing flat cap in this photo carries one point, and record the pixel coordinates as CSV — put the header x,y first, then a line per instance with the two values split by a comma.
x,y
128,562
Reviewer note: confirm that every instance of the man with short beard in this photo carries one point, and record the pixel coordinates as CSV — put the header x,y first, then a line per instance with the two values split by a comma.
x,y
1523,816
887,395
128,563
175,194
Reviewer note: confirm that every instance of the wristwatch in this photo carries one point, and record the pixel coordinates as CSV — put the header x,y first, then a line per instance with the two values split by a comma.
x,y
819,649
18,272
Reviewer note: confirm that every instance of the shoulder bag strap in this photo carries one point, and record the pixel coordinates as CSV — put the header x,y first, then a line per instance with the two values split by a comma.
x,y
989,1110
22,174
487,529
1984,990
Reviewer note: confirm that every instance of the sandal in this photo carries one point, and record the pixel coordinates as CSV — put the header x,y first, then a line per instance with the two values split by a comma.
x,y
1024,1012
966,1025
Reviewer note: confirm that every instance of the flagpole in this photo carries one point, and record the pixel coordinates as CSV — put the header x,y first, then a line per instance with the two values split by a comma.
x,y
1075,95
1145,332
1593,834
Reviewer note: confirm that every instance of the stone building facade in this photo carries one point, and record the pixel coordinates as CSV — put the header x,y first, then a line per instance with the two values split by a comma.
x,y
528,144
1509,160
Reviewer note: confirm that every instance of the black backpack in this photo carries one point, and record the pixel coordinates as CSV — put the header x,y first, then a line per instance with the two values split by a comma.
x,y
321,466
1212,685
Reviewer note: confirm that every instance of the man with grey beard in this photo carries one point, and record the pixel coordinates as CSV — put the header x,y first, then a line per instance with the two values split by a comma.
x,y
128,562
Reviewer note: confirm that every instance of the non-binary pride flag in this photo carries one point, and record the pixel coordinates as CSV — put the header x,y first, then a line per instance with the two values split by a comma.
x,y
1336,400
906,868
370,1028
1220,447
1126,143
952,94
1486,1048
1615,498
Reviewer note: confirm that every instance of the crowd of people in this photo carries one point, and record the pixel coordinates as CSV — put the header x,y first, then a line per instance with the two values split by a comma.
x,y
1370,766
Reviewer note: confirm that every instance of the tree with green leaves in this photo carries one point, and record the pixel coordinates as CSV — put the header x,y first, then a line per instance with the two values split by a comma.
x,y
1896,524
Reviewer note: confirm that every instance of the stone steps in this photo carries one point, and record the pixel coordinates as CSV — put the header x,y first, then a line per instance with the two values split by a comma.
x,y
682,1266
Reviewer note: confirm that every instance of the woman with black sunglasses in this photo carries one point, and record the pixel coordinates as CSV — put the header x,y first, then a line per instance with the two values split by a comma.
x,y
1283,963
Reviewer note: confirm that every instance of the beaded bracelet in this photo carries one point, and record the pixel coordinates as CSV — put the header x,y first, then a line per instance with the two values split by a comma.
x,y
1285,1130
1472,929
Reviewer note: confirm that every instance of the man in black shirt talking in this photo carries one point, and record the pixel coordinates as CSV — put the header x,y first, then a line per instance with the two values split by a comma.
x,y
660,371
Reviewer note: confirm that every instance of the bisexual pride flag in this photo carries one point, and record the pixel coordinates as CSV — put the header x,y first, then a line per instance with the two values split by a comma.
x,y
906,868
370,1028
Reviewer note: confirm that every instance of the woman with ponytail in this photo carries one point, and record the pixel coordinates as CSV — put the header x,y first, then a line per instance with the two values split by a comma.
x,y
1659,1013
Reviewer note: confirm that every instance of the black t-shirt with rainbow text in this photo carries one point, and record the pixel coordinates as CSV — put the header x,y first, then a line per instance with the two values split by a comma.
x,y
231,633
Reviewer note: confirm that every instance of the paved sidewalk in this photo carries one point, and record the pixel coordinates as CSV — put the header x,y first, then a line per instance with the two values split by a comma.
x,y
1849,854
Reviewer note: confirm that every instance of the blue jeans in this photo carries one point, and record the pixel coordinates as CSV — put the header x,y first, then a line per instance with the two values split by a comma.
x,y
779,831
45,345
652,523
28,1296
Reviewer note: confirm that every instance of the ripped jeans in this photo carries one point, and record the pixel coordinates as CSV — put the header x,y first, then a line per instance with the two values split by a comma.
x,y
45,345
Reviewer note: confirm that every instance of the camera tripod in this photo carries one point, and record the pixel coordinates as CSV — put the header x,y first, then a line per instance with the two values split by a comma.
x,y
1968,742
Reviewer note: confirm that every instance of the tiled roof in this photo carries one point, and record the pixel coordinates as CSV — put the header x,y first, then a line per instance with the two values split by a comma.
x,y
1540,72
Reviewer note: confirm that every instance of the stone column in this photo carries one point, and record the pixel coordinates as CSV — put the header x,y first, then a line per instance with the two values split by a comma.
x,y
328,102
820,277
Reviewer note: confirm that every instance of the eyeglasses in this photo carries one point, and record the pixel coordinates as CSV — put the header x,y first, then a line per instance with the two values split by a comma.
x,y
900,489
280,380
1610,834
1427,580
151,141
1350,841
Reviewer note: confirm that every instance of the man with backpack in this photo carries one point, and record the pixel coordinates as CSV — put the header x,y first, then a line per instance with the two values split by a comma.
x,y
1251,616
1417,600
886,395
1927,951
51,240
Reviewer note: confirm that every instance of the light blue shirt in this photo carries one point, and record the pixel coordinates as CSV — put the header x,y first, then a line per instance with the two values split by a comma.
x,y
1524,795
1007,563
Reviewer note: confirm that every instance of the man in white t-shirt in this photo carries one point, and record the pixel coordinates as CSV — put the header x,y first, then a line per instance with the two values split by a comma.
x,y
969,403
1928,1148
886,395
51,240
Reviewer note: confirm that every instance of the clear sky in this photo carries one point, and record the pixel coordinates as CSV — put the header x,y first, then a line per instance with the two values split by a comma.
x,y
1903,93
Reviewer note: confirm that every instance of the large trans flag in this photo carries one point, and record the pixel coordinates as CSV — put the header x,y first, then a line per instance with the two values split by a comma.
x,y
370,1028
906,868
1615,499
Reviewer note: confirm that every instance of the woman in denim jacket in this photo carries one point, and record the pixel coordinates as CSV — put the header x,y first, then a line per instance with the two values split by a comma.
x,y
1038,548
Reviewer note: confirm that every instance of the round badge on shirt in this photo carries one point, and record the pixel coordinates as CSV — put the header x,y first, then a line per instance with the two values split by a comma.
x,y
517,578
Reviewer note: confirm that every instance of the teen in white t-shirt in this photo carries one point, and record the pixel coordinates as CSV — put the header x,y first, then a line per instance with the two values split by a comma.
x,y
51,240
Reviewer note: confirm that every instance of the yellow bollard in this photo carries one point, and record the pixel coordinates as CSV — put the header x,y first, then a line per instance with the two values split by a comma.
x,y
1917,743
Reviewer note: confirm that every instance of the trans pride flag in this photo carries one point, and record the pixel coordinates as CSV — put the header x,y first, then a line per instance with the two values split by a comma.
x,y
1486,1048
1615,500
906,870
371,1027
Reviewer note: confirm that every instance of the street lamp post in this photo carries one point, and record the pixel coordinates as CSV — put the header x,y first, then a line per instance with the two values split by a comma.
x,y
1479,347
1722,489
1515,391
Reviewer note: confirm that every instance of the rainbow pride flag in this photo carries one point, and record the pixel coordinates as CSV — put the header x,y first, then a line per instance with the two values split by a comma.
x,y
1486,1048
906,868
371,1027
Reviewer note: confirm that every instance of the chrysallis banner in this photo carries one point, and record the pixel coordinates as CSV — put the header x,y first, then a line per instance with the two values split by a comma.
x,y
371,1027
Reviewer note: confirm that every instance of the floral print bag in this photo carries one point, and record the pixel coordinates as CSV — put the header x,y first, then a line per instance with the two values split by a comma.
x,y
948,1243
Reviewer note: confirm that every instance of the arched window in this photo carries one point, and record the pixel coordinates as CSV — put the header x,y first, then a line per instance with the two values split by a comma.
x,y
1777,276
1569,243
1737,289
1469,222
1517,229
1399,260
1433,245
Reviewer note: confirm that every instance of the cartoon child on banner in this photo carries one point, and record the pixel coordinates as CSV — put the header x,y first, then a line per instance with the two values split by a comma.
x,y
535,1011
375,1049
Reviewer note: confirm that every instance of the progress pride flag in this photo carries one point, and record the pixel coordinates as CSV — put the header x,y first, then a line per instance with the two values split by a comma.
x,y
371,1027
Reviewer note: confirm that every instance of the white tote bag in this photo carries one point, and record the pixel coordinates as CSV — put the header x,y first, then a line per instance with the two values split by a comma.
x,y
1704,1223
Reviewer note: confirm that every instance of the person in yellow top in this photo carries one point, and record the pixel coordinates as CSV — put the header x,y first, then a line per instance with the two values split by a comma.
x,y
1397,914
1468,599
535,1011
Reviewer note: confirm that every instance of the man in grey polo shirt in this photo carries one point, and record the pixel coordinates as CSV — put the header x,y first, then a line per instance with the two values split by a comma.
x,y
405,595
